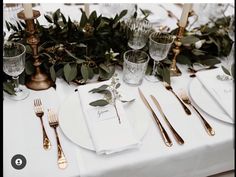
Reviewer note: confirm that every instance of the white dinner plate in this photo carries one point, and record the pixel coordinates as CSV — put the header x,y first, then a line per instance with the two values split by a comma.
x,y
206,102
73,123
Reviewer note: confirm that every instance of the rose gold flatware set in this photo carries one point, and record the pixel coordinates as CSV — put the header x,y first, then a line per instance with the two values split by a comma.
x,y
54,123
183,100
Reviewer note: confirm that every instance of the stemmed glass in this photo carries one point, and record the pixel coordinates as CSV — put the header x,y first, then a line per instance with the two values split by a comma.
x,y
159,46
13,65
139,30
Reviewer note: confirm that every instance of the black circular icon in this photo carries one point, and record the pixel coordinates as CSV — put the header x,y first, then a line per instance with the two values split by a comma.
x,y
18,161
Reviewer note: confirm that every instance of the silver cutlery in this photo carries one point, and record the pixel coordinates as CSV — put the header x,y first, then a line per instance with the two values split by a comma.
x,y
178,138
164,134
38,109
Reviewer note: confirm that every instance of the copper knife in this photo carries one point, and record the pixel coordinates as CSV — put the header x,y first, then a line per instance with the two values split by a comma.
x,y
164,134
178,138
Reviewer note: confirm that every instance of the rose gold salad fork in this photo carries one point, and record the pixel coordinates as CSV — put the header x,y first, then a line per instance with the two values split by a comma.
x,y
54,123
38,109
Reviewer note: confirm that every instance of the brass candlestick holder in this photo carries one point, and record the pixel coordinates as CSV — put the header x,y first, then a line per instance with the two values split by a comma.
x,y
39,80
174,70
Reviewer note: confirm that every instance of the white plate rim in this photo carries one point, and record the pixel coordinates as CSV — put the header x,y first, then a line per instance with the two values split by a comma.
x,y
195,99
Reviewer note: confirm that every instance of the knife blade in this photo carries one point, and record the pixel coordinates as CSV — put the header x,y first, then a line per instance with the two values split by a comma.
x,y
164,134
178,138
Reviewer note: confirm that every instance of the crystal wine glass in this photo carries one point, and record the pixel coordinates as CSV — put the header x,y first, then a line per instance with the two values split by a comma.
x,y
13,65
139,30
159,46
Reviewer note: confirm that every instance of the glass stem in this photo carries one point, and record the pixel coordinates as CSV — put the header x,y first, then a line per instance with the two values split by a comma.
x,y
16,83
154,68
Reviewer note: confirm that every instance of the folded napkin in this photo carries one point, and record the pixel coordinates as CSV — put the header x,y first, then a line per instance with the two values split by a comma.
x,y
107,134
221,91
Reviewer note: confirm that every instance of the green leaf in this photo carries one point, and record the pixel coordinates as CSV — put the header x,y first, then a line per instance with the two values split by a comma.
x,y
92,17
127,101
182,59
29,67
189,40
22,24
103,75
70,72
100,102
48,18
226,71
8,26
19,26
90,73
166,75
104,67
198,52
56,15
99,89
9,88
209,62
63,18
117,85
13,27
83,19
84,72
79,61
53,73
107,93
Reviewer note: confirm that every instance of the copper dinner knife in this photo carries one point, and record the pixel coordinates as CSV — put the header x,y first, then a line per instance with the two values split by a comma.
x,y
164,134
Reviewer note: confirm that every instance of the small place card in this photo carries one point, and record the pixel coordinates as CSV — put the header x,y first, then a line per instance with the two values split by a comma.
x,y
102,113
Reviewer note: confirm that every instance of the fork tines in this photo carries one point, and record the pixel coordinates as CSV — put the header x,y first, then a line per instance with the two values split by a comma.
x,y
37,102
52,117
38,107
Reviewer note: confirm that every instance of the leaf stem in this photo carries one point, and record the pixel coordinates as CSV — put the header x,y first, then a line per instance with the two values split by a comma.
x,y
117,112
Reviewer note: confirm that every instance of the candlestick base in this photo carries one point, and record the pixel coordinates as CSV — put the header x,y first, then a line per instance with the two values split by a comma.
x,y
174,71
39,81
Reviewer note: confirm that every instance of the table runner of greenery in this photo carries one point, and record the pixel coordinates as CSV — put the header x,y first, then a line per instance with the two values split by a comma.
x,y
77,51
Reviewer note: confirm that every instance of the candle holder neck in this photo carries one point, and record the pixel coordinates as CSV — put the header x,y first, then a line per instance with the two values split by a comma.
x,y
174,70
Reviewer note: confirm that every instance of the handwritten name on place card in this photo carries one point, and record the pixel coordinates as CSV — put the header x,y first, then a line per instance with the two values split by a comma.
x,y
102,113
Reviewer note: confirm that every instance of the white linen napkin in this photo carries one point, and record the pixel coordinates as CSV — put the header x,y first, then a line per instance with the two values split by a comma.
x,y
107,134
221,91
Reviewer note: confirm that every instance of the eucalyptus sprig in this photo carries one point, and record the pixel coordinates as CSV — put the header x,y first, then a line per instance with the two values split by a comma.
x,y
111,95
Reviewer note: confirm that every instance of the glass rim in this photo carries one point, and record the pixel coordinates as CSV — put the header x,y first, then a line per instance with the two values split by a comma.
x,y
146,61
150,38
22,53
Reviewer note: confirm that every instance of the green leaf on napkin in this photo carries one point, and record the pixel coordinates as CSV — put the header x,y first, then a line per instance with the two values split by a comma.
x,y
99,89
100,102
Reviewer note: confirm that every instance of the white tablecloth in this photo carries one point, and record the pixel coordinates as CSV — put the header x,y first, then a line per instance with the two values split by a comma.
x,y
200,156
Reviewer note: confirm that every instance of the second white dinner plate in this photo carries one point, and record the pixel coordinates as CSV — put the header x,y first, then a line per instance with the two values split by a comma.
x,y
73,123
206,102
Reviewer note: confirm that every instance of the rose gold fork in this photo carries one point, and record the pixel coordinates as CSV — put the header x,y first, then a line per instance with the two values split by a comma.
x,y
38,109
207,126
54,123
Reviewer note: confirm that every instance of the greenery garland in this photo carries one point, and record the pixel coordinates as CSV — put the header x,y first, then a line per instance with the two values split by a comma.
x,y
77,51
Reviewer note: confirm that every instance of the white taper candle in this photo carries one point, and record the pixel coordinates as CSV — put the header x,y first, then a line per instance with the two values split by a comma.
x,y
184,16
28,10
